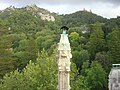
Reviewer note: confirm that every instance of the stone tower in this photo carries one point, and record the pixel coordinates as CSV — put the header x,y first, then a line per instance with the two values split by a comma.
x,y
114,77
64,53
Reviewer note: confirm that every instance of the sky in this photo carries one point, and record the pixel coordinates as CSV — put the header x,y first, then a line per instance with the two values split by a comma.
x,y
105,8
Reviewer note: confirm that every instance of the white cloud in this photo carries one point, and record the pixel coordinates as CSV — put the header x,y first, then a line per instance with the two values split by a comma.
x,y
3,6
106,8
75,2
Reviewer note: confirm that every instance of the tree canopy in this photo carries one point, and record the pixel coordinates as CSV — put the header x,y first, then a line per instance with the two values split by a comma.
x,y
28,43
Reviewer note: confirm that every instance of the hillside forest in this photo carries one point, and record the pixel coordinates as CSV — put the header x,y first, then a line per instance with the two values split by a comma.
x,y
28,48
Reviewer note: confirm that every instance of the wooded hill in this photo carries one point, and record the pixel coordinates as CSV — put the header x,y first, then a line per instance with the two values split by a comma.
x,y
28,48
82,18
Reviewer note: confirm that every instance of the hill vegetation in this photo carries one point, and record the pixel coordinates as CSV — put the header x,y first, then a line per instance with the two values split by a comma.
x,y
28,45
82,18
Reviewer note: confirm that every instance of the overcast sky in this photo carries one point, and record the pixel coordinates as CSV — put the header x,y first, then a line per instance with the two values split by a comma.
x,y
105,8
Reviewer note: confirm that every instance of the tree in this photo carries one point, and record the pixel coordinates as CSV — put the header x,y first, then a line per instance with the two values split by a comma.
x,y
20,21
79,57
26,51
6,51
80,84
96,77
85,67
36,76
74,39
41,75
103,59
113,42
45,39
96,43
16,38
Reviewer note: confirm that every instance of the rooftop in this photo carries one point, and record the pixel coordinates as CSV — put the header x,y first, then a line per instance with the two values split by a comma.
x,y
116,66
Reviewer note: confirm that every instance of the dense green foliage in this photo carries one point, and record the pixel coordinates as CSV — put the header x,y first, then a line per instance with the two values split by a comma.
x,y
6,54
95,43
81,18
35,76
